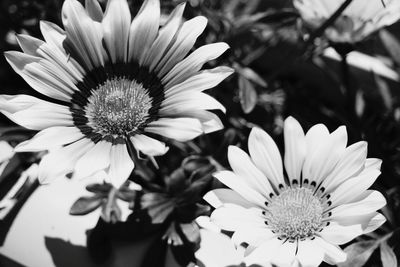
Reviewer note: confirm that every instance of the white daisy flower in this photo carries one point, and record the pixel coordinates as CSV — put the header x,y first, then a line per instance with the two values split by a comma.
x,y
358,20
303,216
117,83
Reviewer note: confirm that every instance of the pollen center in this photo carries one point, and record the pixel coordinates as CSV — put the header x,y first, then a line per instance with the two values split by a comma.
x,y
119,106
294,214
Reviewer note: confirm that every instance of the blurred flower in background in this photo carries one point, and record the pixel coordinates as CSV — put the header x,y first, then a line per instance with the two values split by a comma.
x,y
107,100
356,22
6,153
323,202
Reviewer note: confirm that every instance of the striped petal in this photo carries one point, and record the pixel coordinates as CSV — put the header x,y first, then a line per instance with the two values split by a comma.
x,y
34,113
84,35
164,38
116,24
180,129
41,75
143,30
193,63
185,39
204,80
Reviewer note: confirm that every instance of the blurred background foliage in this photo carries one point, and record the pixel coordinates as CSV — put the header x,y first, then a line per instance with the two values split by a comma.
x,y
278,73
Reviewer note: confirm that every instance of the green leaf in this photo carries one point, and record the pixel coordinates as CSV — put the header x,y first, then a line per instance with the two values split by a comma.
x,y
387,256
358,253
247,95
391,44
85,205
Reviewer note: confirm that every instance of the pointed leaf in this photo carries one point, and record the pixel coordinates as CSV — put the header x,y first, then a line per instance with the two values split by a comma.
x,y
247,95
85,205
387,256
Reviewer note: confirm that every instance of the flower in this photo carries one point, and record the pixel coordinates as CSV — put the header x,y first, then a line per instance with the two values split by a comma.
x,y
323,201
358,20
114,85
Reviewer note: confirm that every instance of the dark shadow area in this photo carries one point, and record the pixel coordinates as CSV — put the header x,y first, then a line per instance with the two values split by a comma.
x,y
65,254
6,262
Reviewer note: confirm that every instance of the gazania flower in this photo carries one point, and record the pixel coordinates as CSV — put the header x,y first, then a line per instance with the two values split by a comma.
x,y
323,201
116,84
358,20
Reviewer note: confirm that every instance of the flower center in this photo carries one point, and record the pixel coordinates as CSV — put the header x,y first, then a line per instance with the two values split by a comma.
x,y
295,214
119,106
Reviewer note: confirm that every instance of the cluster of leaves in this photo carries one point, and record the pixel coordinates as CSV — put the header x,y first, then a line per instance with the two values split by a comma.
x,y
278,73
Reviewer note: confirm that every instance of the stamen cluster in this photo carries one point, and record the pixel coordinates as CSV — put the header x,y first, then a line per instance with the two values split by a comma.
x,y
119,106
296,213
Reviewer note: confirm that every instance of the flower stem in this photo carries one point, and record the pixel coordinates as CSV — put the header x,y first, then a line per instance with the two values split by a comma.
x,y
318,32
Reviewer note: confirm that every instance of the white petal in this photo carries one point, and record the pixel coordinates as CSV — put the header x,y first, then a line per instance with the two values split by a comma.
x,y
217,250
204,80
116,24
253,236
84,35
323,157
370,222
148,145
295,148
333,252
339,235
53,34
193,63
96,159
243,167
374,223
236,183
265,154
373,163
34,113
285,254
210,122
350,164
59,162
373,201
230,217
52,137
316,136
143,30
165,37
264,252
41,75
121,165
310,254
189,101
180,129
219,197
185,39
354,187
93,9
